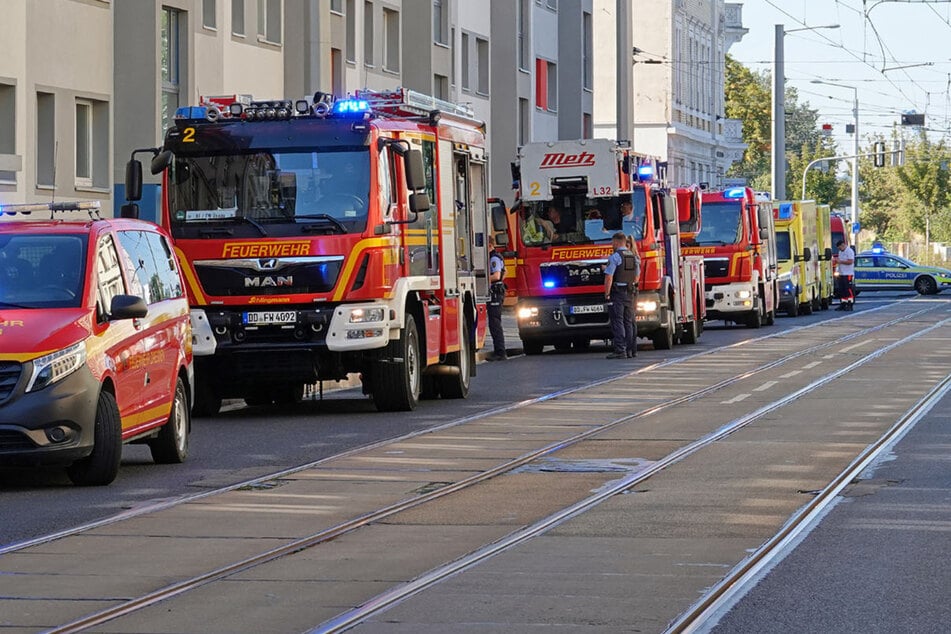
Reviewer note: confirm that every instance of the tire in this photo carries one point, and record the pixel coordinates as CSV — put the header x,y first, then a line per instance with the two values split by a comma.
x,y
207,402
770,318
429,389
664,339
532,346
101,466
289,394
925,285
397,384
691,332
824,303
171,444
457,386
755,319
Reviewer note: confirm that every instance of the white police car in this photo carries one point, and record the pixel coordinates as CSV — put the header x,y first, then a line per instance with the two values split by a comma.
x,y
879,270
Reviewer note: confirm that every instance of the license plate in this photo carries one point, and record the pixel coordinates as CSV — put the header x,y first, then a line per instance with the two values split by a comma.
x,y
591,308
270,318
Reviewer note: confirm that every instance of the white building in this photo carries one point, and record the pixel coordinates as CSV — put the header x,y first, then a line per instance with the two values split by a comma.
x,y
677,67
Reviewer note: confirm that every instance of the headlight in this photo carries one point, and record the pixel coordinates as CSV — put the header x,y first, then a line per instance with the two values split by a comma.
x,y
364,315
647,306
527,312
743,294
52,367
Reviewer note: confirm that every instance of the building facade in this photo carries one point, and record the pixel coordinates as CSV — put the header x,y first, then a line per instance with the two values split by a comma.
x,y
677,67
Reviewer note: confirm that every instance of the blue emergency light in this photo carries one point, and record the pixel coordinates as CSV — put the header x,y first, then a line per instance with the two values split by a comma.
x,y
785,211
351,106
734,192
877,247
548,283
191,112
645,172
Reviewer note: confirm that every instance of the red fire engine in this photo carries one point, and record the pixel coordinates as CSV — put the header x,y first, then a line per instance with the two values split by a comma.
x,y
738,245
323,237
573,196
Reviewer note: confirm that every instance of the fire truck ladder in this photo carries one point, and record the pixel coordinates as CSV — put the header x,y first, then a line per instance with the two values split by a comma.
x,y
404,102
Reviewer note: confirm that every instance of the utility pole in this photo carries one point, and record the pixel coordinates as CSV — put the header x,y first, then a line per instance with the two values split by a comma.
x,y
779,118
625,72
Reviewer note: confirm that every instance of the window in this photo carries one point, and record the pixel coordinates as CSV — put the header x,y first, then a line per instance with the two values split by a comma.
x,y
440,87
92,143
465,61
45,139
368,33
482,57
546,85
108,276
553,4
269,21
391,40
523,121
171,54
83,143
336,6
440,22
7,128
336,70
237,17
351,19
150,266
452,56
587,72
208,11
587,126
522,20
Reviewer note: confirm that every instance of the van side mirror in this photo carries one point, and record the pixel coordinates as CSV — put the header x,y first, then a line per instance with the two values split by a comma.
x,y
127,307
133,180
806,254
415,173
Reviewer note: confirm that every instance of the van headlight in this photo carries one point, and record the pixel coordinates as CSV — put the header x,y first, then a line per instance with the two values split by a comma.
x,y
366,315
55,366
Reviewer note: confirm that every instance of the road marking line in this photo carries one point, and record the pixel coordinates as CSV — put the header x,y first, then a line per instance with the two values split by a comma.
x,y
790,374
765,386
810,366
856,345
736,399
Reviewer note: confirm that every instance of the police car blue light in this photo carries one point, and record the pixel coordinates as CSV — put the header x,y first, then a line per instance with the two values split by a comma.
x,y
351,106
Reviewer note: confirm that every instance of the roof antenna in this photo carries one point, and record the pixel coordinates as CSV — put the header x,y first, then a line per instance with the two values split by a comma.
x,y
53,195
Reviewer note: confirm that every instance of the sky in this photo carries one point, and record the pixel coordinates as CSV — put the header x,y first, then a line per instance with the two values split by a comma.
x,y
873,39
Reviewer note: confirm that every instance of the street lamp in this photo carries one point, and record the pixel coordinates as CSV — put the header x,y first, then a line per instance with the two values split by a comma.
x,y
855,147
779,109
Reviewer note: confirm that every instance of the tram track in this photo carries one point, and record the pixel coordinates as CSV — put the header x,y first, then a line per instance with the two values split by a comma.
x,y
179,588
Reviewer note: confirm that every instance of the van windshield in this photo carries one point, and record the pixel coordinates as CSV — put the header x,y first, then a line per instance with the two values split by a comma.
x,y
42,270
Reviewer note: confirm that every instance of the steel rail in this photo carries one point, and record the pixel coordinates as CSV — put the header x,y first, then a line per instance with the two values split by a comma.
x,y
191,497
388,599
181,587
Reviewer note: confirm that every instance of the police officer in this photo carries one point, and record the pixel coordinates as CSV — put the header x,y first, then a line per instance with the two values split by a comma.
x,y
845,268
496,297
620,287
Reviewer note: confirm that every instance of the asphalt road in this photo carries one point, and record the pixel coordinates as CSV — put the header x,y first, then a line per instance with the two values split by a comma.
x,y
244,443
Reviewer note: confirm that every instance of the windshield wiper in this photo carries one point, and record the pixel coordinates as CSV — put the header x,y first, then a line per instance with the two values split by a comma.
x,y
254,223
326,218
719,243
12,305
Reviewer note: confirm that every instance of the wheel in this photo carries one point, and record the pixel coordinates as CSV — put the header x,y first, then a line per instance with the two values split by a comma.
x,y
664,339
770,318
793,310
457,385
102,465
532,346
755,319
207,402
397,380
428,389
824,303
171,444
925,285
806,308
691,332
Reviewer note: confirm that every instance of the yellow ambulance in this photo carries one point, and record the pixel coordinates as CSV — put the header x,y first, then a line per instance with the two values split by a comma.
x,y
797,256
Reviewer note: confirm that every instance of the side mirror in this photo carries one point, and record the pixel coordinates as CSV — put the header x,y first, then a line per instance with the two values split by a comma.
x,y
133,180
419,203
129,210
764,233
672,227
828,254
764,215
807,254
669,212
415,173
160,161
127,307
499,217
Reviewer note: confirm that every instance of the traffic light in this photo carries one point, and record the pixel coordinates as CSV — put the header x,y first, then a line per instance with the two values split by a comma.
x,y
879,154
912,119
898,153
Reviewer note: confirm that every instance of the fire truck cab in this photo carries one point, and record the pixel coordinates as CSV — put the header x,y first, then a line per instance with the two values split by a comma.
x,y
573,196
323,237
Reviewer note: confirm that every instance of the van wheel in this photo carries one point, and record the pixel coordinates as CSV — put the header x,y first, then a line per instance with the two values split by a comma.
x,y
207,402
457,386
532,346
397,384
171,444
102,465
793,308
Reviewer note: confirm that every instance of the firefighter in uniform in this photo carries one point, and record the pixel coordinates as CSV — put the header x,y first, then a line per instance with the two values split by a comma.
x,y
496,297
620,287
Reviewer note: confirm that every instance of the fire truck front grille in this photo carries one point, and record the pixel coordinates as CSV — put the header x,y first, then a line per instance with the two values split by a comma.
x,y
9,376
572,274
719,267
226,281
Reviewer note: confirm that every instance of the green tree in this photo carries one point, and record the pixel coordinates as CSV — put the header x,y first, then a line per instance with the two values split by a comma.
x,y
925,176
748,98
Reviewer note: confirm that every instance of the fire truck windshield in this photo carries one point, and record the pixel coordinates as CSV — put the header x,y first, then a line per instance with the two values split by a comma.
x,y
721,224
270,193
574,218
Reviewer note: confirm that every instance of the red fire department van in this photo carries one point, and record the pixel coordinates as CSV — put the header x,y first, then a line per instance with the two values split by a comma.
x,y
95,342
573,196
324,237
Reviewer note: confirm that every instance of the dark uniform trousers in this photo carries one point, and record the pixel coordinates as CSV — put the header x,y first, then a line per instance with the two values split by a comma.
x,y
623,327
494,311
844,288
